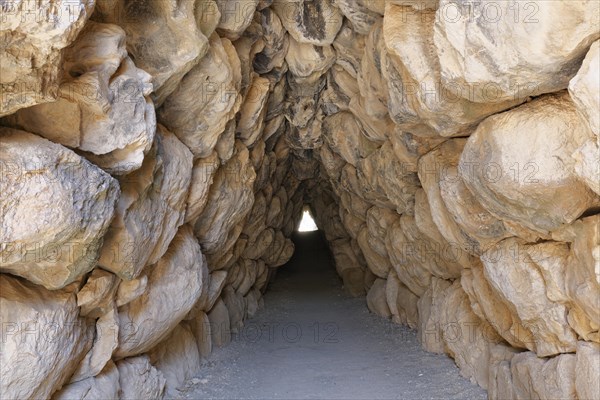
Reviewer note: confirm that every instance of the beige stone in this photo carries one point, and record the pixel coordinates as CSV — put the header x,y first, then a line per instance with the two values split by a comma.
x,y
44,338
359,14
587,370
522,178
150,210
275,43
378,264
106,340
371,107
583,88
139,379
448,205
402,256
419,101
131,290
103,103
401,301
426,245
96,297
220,331
165,38
100,387
348,266
376,299
466,337
344,135
535,377
55,206
308,23
308,62
514,270
147,320
236,15
203,174
500,385
177,358
521,51
200,327
487,306
32,46
430,306
252,112
456,212
235,306
229,201
381,172
582,276
199,108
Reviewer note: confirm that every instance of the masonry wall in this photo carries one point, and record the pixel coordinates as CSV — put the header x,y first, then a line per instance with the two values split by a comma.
x,y
156,155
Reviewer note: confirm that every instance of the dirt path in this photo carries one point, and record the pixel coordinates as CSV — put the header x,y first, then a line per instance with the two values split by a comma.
x,y
312,341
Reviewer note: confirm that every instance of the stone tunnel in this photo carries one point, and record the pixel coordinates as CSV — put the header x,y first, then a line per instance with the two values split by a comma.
x,y
157,156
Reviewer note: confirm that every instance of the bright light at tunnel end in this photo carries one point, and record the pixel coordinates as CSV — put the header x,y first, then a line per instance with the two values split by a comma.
x,y
307,224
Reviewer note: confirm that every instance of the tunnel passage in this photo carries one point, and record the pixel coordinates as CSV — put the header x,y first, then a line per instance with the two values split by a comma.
x,y
316,341
156,157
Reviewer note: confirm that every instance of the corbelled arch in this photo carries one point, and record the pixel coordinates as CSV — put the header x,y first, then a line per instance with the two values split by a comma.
x,y
157,155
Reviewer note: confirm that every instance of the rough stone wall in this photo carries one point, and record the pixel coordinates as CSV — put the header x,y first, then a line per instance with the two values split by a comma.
x,y
156,156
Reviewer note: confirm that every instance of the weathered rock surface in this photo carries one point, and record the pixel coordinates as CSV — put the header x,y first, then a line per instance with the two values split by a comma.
x,y
33,39
150,209
200,327
103,103
458,216
581,277
524,51
220,330
521,178
103,386
177,358
419,102
203,174
139,379
587,370
236,15
252,112
98,358
466,338
454,178
402,302
309,22
486,305
229,201
147,320
96,297
517,274
205,100
376,299
552,378
44,338
430,307
583,89
347,266
164,38
55,208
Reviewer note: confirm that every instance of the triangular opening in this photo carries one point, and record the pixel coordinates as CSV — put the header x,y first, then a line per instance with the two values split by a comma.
x,y
307,224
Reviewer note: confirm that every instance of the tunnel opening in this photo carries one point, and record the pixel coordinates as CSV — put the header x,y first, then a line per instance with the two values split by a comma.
x,y
307,223
158,157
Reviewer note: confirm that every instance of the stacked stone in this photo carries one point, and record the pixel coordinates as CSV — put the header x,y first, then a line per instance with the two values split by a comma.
x,y
156,156
145,205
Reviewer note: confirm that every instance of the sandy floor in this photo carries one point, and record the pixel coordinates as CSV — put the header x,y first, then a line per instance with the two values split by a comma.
x,y
312,341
